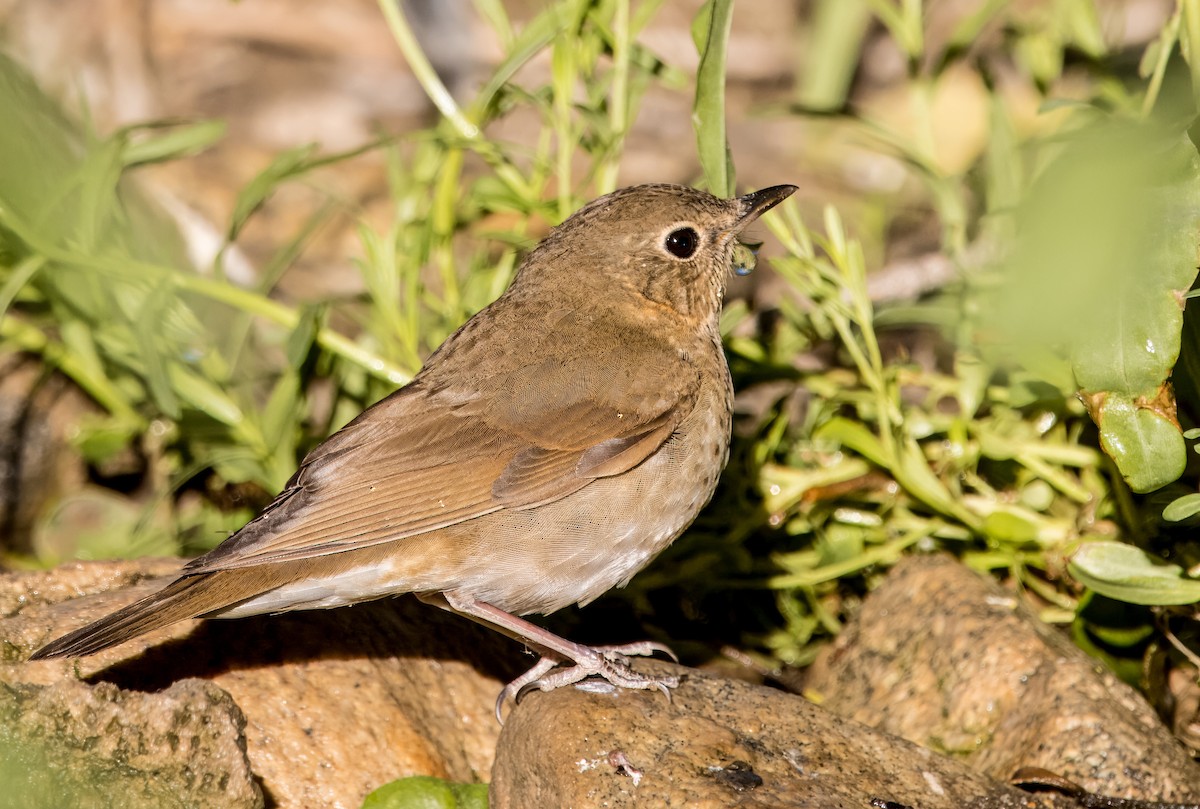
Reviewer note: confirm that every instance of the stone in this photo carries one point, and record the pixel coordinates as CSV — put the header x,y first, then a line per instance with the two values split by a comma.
x,y
718,743
957,663
335,702
72,744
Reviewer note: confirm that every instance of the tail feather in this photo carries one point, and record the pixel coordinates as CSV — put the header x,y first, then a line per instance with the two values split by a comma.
x,y
183,598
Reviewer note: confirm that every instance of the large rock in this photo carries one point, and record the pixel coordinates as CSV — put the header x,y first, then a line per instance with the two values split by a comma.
x,y
719,743
336,702
954,662
940,656
75,746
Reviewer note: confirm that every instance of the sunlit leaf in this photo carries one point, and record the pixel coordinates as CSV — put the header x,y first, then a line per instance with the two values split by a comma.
x,y
1129,574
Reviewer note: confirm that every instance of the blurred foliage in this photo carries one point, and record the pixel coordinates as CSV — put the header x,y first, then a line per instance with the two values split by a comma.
x,y
1020,412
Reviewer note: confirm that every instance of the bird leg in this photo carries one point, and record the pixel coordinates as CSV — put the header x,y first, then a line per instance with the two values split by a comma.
x,y
609,662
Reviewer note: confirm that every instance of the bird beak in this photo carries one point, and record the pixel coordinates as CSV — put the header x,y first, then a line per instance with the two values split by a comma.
x,y
756,203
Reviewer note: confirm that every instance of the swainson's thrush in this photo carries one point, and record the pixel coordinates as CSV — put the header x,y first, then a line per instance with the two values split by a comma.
x,y
549,449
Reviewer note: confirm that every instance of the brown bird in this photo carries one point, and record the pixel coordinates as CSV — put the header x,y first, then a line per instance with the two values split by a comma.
x,y
548,450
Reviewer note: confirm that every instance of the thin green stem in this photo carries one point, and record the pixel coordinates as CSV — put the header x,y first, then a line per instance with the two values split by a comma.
x,y
424,72
1166,45
618,97
564,74
445,103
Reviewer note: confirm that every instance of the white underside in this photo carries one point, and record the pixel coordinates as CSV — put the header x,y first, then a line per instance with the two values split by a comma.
x,y
350,587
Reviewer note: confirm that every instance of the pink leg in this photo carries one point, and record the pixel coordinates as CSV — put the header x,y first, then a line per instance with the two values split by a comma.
x,y
608,662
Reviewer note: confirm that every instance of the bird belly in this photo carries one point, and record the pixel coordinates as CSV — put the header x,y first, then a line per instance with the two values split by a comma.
x,y
575,549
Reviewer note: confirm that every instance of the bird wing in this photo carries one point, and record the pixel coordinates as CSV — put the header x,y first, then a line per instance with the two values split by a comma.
x,y
431,455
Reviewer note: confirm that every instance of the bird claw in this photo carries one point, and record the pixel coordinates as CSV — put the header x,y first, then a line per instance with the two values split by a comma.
x,y
611,663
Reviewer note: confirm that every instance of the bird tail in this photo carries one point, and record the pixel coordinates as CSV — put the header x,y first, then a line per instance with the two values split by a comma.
x,y
182,598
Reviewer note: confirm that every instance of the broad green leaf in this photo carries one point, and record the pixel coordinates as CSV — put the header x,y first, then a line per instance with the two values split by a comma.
x,y
1129,574
1106,247
1146,446
1139,346
1007,526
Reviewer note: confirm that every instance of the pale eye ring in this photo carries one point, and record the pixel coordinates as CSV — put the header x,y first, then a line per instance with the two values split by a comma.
x,y
682,242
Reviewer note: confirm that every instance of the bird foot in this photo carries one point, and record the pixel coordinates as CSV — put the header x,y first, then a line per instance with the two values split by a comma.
x,y
611,663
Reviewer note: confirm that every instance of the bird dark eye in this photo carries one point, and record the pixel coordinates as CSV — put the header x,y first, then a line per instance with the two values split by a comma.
x,y
682,243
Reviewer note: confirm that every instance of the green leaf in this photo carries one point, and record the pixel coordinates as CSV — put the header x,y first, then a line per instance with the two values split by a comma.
x,y
148,326
1182,508
534,37
1106,247
1146,446
427,792
1122,637
832,56
302,339
178,141
854,436
1129,574
1129,669
1140,343
99,438
282,409
1008,527
204,395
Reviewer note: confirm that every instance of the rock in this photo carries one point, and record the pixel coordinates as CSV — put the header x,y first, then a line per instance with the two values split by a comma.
x,y
73,746
319,708
718,743
336,702
952,661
